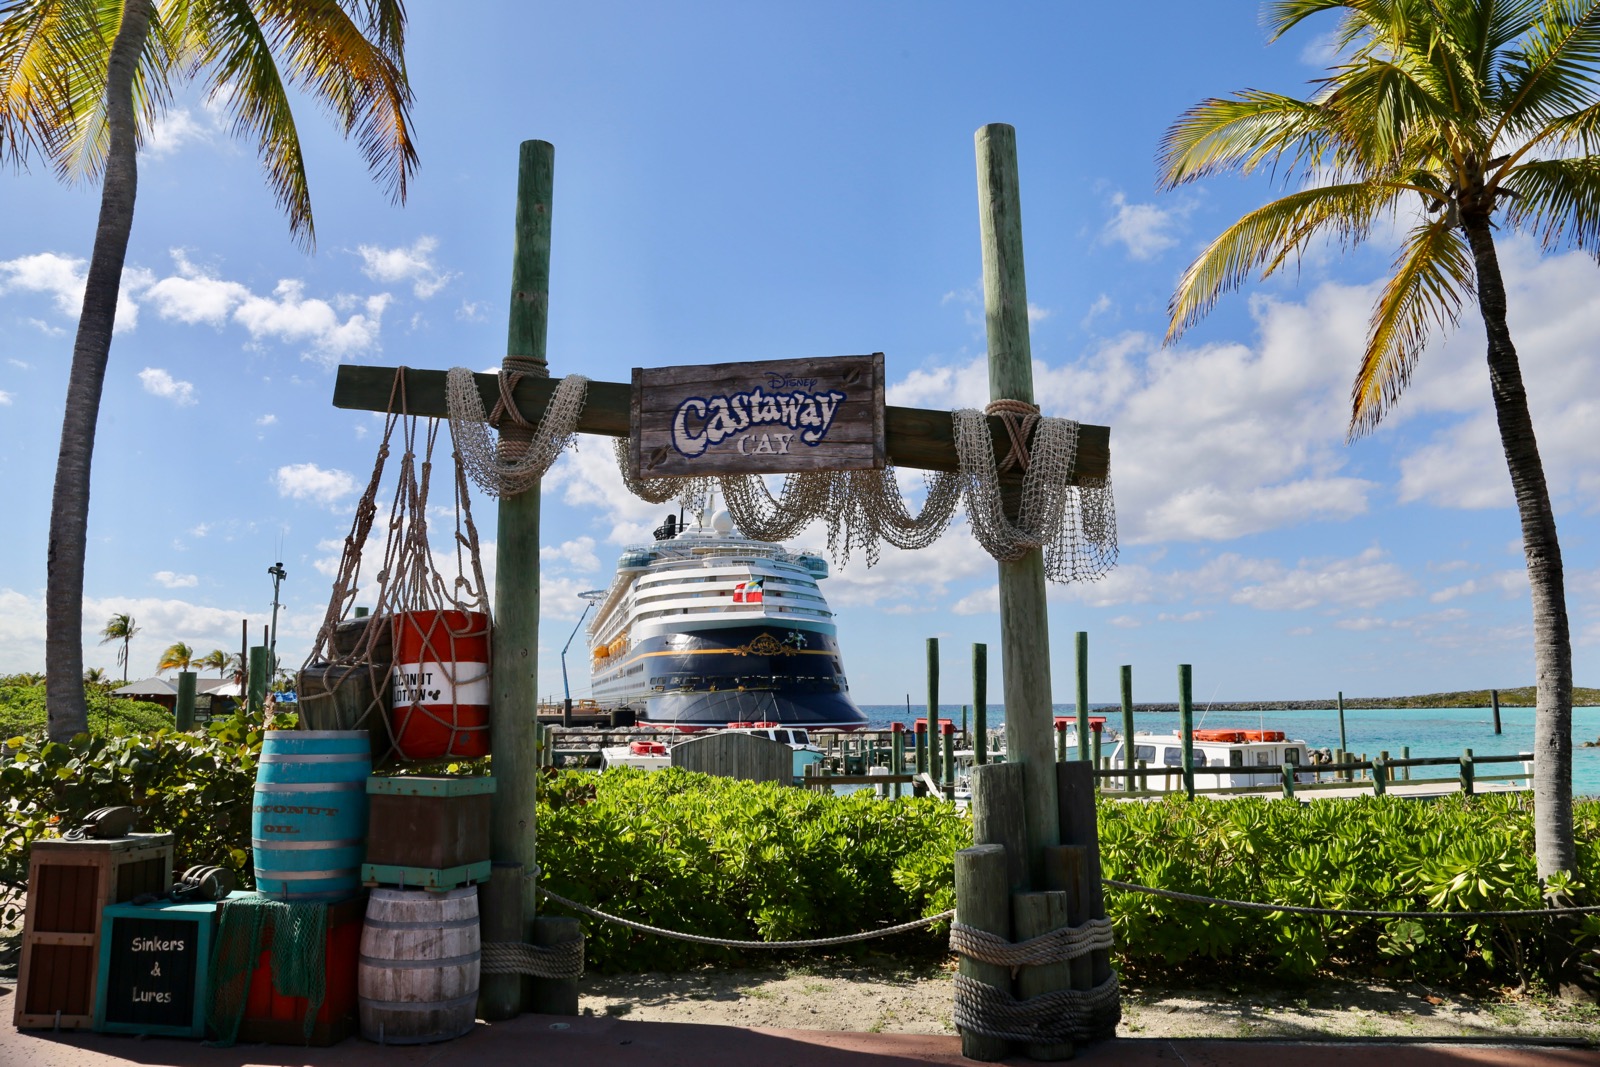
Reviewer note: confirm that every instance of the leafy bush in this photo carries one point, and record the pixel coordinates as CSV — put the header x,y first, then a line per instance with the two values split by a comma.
x,y
1373,853
197,787
22,709
738,860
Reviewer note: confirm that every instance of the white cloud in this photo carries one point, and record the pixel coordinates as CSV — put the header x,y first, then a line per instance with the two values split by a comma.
x,y
1361,581
158,382
1037,313
469,311
192,296
267,420
20,364
5,398
63,279
1144,229
307,481
577,554
172,580
292,317
172,131
1101,305
414,265
44,328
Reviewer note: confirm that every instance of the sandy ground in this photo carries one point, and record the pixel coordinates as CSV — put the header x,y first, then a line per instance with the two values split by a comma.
x,y
891,999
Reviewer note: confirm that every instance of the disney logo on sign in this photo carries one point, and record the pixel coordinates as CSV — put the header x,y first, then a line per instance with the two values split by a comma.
x,y
779,380
701,422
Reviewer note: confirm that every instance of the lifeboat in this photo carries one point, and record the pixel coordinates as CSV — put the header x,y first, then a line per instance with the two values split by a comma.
x,y
647,748
1232,737
1263,735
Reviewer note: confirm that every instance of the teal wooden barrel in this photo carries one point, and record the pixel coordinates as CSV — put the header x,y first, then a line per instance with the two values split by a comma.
x,y
308,823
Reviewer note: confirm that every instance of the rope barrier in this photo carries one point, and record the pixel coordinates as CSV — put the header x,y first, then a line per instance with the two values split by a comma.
x,y
1357,913
1054,946
562,960
816,942
1049,1018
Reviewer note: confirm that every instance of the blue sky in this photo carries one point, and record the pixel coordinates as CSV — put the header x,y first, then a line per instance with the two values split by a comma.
x,y
763,181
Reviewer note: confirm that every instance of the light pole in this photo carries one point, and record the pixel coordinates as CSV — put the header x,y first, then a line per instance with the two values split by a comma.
x,y
593,596
278,575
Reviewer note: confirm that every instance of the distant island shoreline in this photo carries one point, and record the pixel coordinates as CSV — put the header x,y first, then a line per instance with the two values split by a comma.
x,y
1582,696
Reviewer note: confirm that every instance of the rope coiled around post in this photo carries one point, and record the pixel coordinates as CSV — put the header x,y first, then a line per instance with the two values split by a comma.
x,y
1049,1018
561,960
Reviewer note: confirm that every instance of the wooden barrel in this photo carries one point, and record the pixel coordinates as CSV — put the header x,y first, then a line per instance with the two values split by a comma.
x,y
308,823
439,706
418,977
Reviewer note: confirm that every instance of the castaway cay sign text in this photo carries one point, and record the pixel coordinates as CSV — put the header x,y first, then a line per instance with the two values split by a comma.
x,y
768,417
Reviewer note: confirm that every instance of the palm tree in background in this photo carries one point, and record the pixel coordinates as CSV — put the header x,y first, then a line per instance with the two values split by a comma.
x,y
96,676
215,660
81,81
178,656
1476,115
120,627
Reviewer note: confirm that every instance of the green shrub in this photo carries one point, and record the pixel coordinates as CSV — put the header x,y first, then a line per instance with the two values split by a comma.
x,y
196,786
1464,854
739,860
22,709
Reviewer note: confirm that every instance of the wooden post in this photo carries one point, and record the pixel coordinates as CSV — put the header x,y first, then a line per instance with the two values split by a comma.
x,y
500,903
947,731
1080,647
1080,827
1344,745
980,704
1405,753
183,711
1034,914
555,996
897,752
999,817
1127,724
515,681
922,747
1061,740
1287,770
933,709
983,901
258,679
1186,724
1024,620
1380,774
1494,702
1468,773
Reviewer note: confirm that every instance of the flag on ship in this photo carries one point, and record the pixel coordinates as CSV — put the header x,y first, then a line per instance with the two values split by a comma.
x,y
747,592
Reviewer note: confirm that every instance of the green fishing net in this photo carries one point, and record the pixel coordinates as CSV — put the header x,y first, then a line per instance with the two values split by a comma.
x,y
297,935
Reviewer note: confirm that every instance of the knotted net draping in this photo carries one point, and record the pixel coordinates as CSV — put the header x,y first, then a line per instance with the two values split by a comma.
x,y
352,675
1074,524
516,461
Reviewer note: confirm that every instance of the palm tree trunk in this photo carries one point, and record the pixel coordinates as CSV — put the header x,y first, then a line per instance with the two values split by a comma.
x,y
1554,847
69,508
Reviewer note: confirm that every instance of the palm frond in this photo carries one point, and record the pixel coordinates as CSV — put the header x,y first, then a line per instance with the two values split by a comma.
x,y
1559,199
362,81
1552,70
1266,237
1433,275
48,48
1241,133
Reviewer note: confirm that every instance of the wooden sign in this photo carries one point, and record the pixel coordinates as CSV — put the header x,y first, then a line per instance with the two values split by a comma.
x,y
154,962
767,417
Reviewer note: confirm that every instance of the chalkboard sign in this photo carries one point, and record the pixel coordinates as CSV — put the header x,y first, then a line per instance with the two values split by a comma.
x,y
153,967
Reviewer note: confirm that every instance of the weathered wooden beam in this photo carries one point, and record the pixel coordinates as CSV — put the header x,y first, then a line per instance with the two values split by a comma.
x,y
1024,614
917,438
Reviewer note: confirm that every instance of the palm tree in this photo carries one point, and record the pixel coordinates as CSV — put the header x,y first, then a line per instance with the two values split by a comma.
x,y
80,82
178,656
215,660
120,627
1479,113
95,676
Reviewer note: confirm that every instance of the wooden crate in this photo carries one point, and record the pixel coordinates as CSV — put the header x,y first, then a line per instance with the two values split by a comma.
x,y
433,823
154,969
70,884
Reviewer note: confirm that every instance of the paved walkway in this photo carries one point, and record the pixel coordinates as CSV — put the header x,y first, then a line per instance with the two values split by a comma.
x,y
551,1041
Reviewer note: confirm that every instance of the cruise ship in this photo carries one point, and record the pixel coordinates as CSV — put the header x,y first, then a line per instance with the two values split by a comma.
x,y
705,627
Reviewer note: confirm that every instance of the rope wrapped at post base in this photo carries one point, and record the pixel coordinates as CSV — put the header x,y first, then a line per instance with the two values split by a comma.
x,y
564,960
1049,1018
1058,1016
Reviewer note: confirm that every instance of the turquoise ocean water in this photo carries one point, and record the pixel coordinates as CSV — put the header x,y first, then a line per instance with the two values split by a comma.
x,y
1429,732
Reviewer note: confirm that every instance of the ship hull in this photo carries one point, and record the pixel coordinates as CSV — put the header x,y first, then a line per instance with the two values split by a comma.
x,y
707,678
